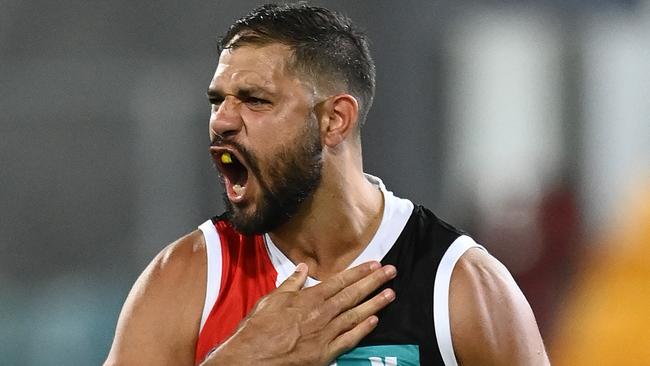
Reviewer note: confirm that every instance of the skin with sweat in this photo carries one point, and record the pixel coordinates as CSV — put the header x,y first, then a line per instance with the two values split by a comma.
x,y
335,224
261,105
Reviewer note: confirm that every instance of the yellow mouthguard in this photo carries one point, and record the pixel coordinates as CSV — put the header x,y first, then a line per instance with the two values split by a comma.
x,y
226,158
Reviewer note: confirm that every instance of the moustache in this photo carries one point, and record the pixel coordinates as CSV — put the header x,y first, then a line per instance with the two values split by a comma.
x,y
249,158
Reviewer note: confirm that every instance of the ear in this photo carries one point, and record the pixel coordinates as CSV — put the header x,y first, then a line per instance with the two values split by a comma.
x,y
339,119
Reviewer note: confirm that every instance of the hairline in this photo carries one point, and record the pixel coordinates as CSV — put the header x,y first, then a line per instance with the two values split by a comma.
x,y
294,65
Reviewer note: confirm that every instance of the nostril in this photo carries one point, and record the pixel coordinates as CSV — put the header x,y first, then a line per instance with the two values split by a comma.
x,y
221,138
226,134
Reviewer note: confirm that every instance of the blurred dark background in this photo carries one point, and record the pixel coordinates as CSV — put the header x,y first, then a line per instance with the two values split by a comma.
x,y
525,123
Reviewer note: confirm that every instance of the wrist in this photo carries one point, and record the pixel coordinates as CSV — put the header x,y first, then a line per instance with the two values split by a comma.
x,y
235,351
221,356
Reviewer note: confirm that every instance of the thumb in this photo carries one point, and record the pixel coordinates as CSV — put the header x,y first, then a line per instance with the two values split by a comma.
x,y
296,280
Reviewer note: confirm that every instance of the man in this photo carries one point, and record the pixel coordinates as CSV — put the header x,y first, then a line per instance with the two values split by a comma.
x,y
292,88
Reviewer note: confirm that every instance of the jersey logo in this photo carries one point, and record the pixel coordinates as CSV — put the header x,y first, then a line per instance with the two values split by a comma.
x,y
390,355
388,361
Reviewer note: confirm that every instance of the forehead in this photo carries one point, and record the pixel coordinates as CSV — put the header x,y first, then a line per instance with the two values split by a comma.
x,y
254,65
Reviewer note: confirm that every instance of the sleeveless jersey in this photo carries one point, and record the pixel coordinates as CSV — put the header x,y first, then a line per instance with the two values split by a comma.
x,y
413,330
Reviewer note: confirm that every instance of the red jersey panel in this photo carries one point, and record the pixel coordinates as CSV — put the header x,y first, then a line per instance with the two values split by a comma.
x,y
247,275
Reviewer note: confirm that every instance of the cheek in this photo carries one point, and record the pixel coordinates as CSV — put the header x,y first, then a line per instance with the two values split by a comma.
x,y
270,160
264,129
267,133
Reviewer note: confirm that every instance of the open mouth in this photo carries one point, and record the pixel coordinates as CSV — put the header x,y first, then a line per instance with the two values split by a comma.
x,y
234,172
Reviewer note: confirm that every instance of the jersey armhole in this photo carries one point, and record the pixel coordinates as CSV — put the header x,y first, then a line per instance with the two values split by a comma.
x,y
214,264
441,296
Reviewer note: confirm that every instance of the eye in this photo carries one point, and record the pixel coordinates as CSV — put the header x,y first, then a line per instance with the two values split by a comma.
x,y
256,102
216,102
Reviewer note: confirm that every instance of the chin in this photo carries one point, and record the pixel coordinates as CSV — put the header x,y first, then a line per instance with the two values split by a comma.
x,y
252,219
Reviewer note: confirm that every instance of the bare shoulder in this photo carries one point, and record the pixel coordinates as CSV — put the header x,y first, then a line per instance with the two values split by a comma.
x,y
160,318
491,320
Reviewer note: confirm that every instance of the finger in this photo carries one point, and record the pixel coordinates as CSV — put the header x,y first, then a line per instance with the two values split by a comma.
x,y
355,293
338,282
349,319
297,280
351,338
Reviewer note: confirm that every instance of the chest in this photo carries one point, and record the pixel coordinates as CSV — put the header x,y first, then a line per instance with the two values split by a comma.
x,y
404,336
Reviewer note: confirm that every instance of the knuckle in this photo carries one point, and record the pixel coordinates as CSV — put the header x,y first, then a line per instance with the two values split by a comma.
x,y
309,292
351,317
313,316
345,299
340,282
379,276
347,343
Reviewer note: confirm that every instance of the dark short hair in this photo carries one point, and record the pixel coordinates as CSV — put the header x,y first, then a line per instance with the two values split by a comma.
x,y
326,45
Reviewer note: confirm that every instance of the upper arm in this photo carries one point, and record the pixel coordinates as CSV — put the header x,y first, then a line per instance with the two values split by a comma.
x,y
491,320
159,322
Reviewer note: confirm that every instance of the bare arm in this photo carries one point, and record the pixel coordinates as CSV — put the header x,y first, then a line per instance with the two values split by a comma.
x,y
491,320
160,319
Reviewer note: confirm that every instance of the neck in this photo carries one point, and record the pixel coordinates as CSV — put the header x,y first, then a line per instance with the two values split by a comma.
x,y
335,225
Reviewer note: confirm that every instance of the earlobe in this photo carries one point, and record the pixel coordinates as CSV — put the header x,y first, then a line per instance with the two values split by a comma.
x,y
341,111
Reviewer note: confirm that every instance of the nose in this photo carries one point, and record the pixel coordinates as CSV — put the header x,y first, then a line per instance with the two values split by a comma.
x,y
225,119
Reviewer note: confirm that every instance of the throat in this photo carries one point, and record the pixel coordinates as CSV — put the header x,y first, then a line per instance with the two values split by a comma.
x,y
329,244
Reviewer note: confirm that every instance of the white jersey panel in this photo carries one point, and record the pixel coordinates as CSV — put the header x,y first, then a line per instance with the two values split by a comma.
x,y
441,296
214,265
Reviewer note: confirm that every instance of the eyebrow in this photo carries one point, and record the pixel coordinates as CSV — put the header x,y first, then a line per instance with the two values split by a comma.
x,y
214,93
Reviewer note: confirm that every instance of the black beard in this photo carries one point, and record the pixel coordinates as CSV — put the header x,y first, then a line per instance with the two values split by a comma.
x,y
292,178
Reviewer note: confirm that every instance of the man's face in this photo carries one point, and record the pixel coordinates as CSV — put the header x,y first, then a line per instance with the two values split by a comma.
x,y
265,137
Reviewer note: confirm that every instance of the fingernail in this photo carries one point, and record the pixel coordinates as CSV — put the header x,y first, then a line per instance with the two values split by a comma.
x,y
374,320
374,266
389,294
301,267
390,271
